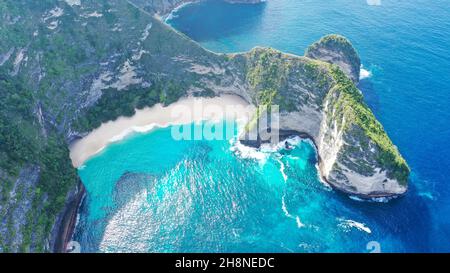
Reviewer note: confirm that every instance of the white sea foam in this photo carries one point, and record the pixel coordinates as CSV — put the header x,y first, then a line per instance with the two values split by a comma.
x,y
382,199
286,212
356,198
120,136
169,17
347,224
364,74
284,208
373,199
264,151
138,129
299,223
172,15
247,152
292,141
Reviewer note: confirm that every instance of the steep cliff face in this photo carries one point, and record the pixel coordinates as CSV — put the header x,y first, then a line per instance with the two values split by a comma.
x,y
356,154
319,99
66,66
337,50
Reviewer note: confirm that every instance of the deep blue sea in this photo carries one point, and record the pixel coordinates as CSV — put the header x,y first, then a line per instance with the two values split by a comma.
x,y
150,193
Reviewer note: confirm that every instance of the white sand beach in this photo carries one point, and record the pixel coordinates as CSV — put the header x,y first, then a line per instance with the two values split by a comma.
x,y
184,111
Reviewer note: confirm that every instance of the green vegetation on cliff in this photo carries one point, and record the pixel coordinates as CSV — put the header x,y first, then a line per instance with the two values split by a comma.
x,y
113,103
336,43
266,74
269,72
336,48
274,71
351,106
266,69
264,100
23,142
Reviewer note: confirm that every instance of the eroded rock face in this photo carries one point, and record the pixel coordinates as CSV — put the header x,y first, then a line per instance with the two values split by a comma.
x,y
320,100
337,50
350,160
163,7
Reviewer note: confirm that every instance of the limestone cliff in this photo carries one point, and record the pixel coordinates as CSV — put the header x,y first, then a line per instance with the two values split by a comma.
x,y
318,99
357,156
337,50
67,66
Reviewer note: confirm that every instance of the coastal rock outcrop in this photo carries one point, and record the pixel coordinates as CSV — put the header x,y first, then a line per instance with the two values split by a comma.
x,y
356,154
337,50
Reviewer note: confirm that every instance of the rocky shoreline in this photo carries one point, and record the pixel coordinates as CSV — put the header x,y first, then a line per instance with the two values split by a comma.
x,y
68,220
285,134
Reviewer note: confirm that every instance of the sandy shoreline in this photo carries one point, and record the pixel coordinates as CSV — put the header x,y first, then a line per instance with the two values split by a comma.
x,y
184,111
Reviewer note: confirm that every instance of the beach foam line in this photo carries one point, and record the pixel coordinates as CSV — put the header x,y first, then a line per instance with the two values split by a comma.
x,y
185,111
248,152
172,14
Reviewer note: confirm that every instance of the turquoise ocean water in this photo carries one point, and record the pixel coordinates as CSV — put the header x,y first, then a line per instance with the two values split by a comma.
x,y
150,193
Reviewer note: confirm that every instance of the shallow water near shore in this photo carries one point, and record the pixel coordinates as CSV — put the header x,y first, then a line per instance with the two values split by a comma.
x,y
149,193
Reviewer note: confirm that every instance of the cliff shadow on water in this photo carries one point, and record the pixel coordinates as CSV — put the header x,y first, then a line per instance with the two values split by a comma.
x,y
371,97
223,19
